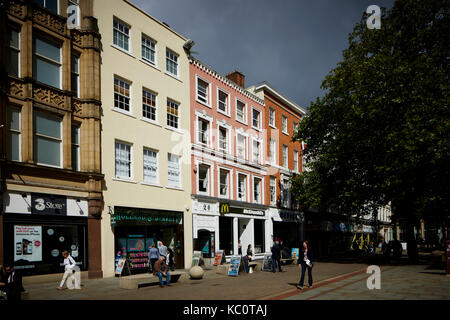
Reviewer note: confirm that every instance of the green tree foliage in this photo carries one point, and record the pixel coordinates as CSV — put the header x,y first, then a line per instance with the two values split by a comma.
x,y
382,131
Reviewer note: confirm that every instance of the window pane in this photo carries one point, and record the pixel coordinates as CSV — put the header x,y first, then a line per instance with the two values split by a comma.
x,y
13,119
75,158
48,151
14,39
14,146
52,5
47,73
47,49
75,134
47,126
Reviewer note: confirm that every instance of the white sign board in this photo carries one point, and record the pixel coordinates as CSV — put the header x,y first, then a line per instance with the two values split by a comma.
x,y
28,243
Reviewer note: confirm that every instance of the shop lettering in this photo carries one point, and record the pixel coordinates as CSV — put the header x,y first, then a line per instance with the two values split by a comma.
x,y
145,218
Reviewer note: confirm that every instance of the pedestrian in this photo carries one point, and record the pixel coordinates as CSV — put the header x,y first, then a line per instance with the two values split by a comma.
x,y
162,250
70,268
170,256
153,256
239,248
306,263
160,269
276,256
12,281
249,252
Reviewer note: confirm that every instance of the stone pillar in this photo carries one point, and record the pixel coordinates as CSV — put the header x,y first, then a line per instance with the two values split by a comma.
x,y
94,239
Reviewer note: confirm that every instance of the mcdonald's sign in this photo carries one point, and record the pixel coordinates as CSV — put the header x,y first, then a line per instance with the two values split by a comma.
x,y
224,208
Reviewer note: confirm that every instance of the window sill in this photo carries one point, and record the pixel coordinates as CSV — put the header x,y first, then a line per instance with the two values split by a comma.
x,y
203,103
256,128
123,112
174,130
272,126
150,64
47,165
240,121
151,122
175,188
173,76
223,112
152,184
124,180
123,50
285,133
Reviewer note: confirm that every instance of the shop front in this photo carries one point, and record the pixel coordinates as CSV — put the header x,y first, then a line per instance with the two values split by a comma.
x,y
221,225
288,227
38,227
135,231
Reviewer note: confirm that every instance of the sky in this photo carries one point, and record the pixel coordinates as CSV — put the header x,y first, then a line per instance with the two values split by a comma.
x,y
291,44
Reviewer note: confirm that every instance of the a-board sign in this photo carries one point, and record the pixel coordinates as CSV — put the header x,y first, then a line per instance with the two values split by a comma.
x,y
196,256
235,262
295,253
267,264
218,257
120,265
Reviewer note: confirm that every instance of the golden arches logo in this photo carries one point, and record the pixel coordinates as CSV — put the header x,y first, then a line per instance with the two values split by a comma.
x,y
224,208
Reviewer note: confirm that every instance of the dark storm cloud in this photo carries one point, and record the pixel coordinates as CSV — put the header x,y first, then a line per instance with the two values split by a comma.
x,y
291,44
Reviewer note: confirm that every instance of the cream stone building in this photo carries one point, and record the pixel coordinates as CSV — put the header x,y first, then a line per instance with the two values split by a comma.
x,y
145,136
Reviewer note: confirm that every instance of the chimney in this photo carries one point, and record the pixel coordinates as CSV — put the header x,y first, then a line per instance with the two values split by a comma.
x,y
237,77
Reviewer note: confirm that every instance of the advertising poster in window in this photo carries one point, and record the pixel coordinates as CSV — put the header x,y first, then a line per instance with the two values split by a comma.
x,y
235,262
136,244
28,243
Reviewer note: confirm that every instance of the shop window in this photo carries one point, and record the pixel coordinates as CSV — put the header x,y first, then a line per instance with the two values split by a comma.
x,y
226,235
13,57
203,179
47,139
259,227
14,133
47,62
76,147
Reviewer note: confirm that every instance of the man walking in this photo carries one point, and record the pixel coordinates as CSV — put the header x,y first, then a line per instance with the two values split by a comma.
x,y
276,255
13,283
160,269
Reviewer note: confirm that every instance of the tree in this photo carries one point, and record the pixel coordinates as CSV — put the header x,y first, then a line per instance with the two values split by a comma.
x,y
382,131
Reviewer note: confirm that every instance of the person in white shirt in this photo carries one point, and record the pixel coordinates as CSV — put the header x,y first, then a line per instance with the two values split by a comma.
x,y
71,272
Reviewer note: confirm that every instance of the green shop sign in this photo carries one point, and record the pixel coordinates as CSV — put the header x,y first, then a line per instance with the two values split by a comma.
x,y
135,216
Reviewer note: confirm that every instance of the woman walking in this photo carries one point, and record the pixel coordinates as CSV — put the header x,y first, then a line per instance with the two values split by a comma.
x,y
70,272
306,262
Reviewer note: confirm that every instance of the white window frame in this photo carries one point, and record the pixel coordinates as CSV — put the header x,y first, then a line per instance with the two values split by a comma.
x,y
296,168
247,183
149,39
274,201
130,87
228,137
258,160
285,202
18,132
230,182
130,178
295,126
208,91
273,155
157,166
35,135
49,60
259,119
19,33
77,73
285,165
173,61
244,121
228,105
77,145
261,189
283,127
179,172
124,24
239,133
274,118
155,121
209,177
177,116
